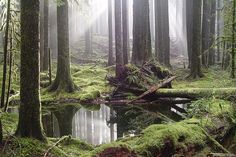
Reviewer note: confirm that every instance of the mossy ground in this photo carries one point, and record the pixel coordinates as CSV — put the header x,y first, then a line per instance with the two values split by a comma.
x,y
214,77
91,81
192,132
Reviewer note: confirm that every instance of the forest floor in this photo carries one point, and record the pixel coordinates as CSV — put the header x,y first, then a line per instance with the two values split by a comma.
x,y
181,137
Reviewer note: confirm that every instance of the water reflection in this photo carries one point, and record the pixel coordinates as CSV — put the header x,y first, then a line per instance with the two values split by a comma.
x,y
90,126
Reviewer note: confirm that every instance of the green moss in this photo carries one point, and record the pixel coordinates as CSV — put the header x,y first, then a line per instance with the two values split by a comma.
x,y
91,81
9,122
213,78
74,147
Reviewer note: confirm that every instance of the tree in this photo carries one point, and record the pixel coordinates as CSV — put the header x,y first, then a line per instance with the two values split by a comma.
x,y
189,21
29,124
158,32
211,57
162,32
166,37
88,38
125,21
45,36
41,43
142,51
110,29
196,47
233,41
5,49
118,37
63,80
206,31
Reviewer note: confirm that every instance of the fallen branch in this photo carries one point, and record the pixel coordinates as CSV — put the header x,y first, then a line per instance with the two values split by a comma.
x,y
59,141
154,89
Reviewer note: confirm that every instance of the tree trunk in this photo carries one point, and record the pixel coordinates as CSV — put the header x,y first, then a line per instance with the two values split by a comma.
x,y
141,33
30,109
41,43
218,9
63,80
110,27
158,32
206,31
233,42
196,47
118,37
88,38
125,21
166,36
189,20
5,54
10,71
211,58
45,36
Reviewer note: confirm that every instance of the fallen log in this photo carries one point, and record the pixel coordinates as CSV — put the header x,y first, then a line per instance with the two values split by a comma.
x,y
196,93
153,89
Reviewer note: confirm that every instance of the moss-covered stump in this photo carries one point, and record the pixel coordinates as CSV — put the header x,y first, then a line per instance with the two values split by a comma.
x,y
204,130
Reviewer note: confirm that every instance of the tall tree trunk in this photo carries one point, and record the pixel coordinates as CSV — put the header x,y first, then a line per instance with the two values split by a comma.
x,y
189,21
211,58
30,109
110,29
10,71
118,37
218,9
206,31
158,32
63,80
141,33
41,43
45,23
196,47
233,41
5,54
125,21
88,38
152,17
166,36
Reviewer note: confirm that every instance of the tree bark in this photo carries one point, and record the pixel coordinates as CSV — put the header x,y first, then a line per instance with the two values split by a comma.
x,y
166,36
45,36
110,29
5,54
211,57
233,42
141,33
206,31
158,32
189,20
118,37
196,47
30,109
63,80
41,43
125,21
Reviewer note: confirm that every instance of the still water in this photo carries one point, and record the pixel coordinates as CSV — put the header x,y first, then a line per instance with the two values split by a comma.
x,y
90,126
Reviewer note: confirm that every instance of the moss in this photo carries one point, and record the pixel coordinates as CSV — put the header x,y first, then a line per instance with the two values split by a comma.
x,y
90,80
73,147
213,78
9,122
181,135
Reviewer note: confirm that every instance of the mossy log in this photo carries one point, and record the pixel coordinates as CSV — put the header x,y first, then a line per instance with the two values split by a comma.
x,y
195,93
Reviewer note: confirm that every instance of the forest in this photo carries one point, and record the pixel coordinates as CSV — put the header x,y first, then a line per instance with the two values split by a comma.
x,y
117,78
